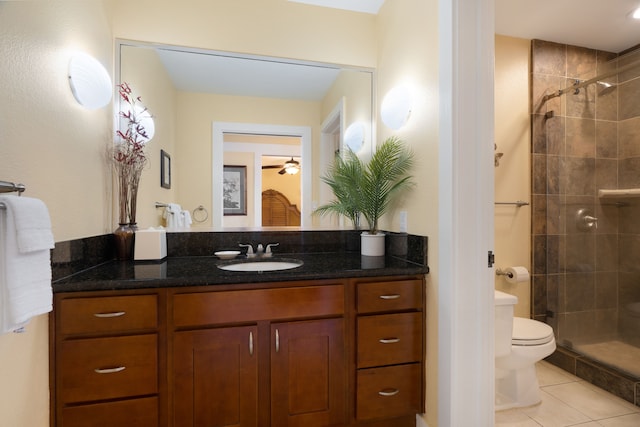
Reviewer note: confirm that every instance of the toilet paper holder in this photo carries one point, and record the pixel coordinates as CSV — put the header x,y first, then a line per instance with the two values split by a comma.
x,y
515,274
501,272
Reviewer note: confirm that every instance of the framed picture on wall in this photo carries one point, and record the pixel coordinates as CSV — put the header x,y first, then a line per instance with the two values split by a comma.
x,y
234,190
165,169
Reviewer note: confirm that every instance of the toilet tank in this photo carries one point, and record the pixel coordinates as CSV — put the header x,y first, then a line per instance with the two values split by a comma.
x,y
503,322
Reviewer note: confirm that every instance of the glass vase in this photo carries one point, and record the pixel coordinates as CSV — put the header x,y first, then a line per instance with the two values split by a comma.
x,y
124,236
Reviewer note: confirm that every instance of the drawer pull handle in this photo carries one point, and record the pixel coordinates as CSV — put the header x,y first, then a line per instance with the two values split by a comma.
x,y
113,314
389,392
251,343
110,370
393,296
277,341
389,340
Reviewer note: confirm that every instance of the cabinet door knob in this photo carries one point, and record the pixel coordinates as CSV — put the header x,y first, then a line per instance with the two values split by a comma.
x,y
392,296
112,314
109,370
389,392
389,340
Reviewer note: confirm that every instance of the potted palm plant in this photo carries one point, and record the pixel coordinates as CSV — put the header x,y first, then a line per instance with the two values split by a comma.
x,y
368,189
343,177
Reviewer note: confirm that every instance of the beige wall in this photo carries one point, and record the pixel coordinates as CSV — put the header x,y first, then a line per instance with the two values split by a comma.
x,y
513,176
357,93
143,71
197,112
408,54
57,149
266,27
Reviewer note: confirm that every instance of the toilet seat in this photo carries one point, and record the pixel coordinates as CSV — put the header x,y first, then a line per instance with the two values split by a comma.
x,y
530,332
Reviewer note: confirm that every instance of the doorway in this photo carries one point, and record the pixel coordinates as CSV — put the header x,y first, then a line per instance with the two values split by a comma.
x,y
254,180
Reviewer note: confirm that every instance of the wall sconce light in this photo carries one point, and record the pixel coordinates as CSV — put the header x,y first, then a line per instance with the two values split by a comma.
x,y
396,107
90,82
143,117
354,136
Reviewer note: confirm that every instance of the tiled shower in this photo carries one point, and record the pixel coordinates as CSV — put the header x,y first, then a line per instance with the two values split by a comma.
x,y
586,243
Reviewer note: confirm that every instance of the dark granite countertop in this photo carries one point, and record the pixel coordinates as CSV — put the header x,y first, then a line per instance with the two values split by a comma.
x,y
203,271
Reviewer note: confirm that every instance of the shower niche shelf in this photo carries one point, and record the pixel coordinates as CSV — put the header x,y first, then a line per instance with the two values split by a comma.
x,y
621,193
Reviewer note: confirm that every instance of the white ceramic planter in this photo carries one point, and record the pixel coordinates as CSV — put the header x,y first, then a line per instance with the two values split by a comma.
x,y
372,244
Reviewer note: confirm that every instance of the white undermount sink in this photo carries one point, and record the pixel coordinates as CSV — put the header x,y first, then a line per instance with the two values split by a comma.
x,y
262,265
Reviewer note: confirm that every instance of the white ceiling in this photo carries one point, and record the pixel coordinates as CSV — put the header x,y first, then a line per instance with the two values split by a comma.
x,y
226,75
596,24
366,6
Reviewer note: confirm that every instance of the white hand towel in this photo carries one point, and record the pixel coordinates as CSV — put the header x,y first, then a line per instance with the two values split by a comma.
x,y
186,219
32,223
172,215
25,277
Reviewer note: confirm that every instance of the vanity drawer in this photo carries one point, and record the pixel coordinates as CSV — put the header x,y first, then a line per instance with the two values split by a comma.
x,y
389,296
389,339
107,314
132,412
107,368
208,308
389,392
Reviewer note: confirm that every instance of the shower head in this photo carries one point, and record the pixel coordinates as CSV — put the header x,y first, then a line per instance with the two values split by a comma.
x,y
606,85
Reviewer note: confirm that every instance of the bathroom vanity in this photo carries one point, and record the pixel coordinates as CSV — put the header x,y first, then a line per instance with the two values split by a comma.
x,y
185,344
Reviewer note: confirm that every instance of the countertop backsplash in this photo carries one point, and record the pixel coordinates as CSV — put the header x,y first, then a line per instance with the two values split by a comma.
x,y
74,256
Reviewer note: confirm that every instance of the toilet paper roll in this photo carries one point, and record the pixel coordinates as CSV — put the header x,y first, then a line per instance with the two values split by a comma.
x,y
517,274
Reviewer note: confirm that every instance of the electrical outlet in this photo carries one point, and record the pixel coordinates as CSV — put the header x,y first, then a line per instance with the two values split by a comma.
x,y
403,221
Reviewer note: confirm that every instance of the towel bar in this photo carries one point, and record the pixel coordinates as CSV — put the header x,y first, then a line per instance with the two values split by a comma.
x,y
518,203
10,187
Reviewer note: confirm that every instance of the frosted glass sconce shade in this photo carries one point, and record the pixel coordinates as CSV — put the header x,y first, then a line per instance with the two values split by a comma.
x,y
90,82
144,118
396,107
354,136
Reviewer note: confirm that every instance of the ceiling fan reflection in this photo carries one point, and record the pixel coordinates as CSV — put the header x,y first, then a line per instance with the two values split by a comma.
x,y
290,167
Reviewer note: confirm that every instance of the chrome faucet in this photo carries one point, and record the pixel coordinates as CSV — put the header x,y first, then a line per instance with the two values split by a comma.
x,y
268,252
260,250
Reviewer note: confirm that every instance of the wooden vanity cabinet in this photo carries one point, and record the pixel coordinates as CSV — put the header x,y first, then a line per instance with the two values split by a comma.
x,y
105,360
389,353
258,357
316,353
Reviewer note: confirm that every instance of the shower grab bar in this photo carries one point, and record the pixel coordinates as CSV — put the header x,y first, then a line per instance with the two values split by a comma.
x,y
10,187
518,203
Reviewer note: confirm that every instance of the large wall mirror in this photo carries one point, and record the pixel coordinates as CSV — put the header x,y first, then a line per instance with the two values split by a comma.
x,y
279,121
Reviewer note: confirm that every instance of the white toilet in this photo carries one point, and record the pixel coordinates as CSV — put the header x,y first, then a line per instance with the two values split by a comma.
x,y
519,344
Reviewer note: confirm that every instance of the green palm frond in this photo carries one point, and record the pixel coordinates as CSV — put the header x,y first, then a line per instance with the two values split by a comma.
x,y
343,177
385,176
368,189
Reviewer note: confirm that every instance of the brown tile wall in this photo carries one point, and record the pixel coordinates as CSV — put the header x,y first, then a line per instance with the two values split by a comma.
x,y
575,152
583,142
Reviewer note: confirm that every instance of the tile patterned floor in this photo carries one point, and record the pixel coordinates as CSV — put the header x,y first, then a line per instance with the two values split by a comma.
x,y
569,401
